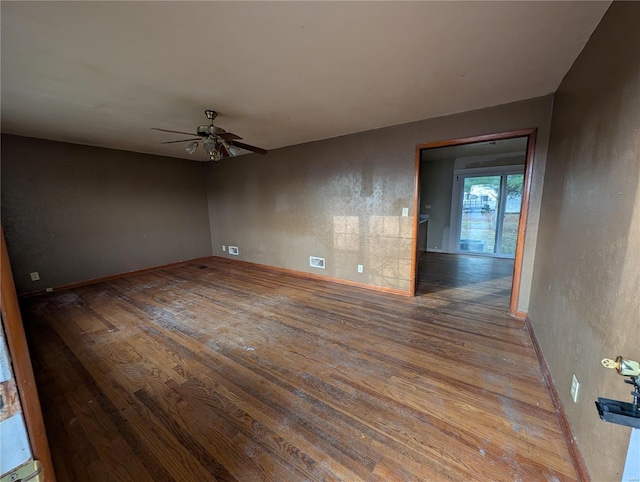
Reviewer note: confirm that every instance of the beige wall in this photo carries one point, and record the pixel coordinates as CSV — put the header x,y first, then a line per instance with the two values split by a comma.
x,y
436,185
585,302
342,198
74,212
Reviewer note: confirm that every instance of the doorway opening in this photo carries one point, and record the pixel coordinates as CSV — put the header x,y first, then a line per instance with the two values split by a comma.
x,y
471,198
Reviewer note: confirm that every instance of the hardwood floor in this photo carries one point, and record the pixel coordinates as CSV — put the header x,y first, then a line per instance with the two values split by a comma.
x,y
214,371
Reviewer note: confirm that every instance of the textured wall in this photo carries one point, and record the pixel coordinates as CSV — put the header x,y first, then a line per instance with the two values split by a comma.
x,y
585,302
75,212
342,198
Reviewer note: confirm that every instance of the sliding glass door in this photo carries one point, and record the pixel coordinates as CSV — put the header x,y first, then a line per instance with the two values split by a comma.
x,y
488,210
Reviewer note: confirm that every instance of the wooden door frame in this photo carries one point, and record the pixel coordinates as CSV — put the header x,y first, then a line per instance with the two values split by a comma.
x,y
530,134
22,368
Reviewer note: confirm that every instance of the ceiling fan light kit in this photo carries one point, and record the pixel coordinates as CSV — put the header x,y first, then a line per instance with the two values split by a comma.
x,y
210,147
217,143
191,147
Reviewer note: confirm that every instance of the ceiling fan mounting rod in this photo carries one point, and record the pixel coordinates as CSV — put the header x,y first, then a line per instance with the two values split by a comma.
x,y
211,114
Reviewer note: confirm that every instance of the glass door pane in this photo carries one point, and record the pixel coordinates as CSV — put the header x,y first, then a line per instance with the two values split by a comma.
x,y
513,202
480,208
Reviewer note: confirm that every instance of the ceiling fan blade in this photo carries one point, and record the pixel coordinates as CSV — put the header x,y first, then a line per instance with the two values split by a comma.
x,y
228,136
182,140
174,132
257,150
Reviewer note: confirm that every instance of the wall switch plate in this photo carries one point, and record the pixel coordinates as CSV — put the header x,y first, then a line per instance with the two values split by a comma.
x,y
575,386
360,268
234,250
224,248
405,212
35,276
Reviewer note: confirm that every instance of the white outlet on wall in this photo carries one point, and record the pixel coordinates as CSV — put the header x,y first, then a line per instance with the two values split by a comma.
x,y
360,268
405,212
35,276
575,386
224,248
234,250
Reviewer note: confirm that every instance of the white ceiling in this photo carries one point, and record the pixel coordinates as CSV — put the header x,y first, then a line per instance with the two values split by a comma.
x,y
278,73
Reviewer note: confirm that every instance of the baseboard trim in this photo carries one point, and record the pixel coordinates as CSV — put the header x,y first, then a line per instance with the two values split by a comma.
x,y
319,277
578,460
303,274
78,284
521,315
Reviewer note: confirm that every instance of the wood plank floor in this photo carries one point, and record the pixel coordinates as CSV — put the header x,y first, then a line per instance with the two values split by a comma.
x,y
212,371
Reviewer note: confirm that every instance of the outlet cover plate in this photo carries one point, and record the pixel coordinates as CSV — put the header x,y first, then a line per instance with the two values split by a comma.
x,y
360,268
35,276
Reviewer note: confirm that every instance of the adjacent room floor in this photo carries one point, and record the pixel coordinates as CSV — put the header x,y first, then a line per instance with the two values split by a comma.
x,y
214,371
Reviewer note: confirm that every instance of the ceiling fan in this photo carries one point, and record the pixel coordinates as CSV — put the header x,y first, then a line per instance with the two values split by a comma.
x,y
216,142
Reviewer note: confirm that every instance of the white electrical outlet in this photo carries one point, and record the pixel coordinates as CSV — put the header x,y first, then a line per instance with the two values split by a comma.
x,y
405,212
427,206
48,289
575,386
360,268
234,250
35,276
224,248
